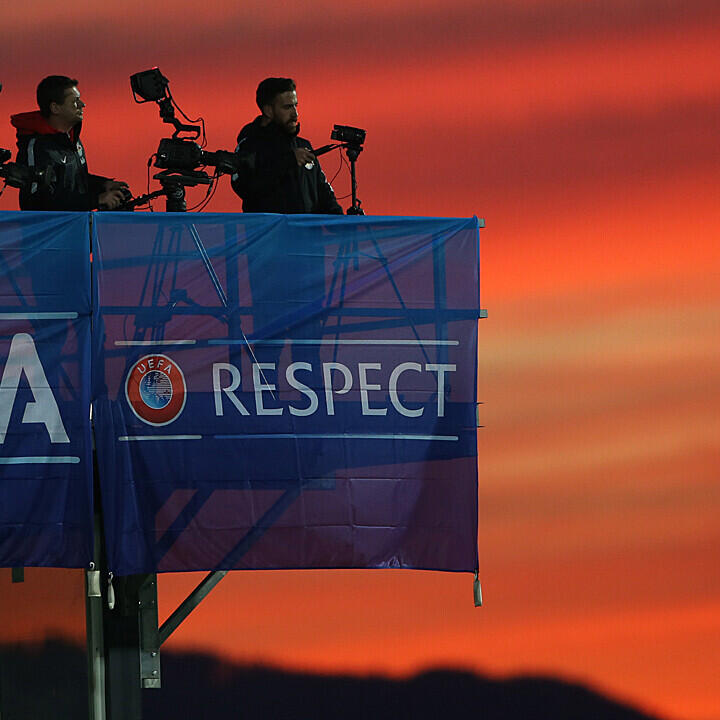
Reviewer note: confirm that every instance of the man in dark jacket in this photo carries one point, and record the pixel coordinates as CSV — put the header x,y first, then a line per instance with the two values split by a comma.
x,y
278,172
49,139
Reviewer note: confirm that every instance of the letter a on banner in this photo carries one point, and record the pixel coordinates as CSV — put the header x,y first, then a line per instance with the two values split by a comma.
x,y
23,358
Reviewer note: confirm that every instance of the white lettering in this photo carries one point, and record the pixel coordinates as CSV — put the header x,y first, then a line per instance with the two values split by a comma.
x,y
441,369
364,387
229,390
43,409
260,387
304,389
332,387
394,398
327,380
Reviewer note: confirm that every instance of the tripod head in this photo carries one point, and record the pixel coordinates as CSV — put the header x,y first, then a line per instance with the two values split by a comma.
x,y
173,184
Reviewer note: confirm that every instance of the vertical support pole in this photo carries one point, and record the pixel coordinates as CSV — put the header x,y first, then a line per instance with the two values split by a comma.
x,y
94,631
94,604
95,646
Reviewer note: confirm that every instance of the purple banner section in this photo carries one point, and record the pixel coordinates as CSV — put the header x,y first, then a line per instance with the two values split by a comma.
x,y
286,391
46,514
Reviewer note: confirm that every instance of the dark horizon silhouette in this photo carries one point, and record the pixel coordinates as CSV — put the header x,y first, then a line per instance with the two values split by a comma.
x,y
49,681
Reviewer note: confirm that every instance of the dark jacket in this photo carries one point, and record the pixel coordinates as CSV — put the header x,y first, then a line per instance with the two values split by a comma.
x,y
41,146
270,180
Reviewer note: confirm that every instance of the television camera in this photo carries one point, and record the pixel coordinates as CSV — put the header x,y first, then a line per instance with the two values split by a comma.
x,y
20,176
180,159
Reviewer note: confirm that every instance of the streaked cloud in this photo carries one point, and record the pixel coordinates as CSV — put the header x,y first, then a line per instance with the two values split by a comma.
x,y
586,132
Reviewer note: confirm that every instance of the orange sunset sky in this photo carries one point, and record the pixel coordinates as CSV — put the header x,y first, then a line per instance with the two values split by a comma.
x,y
587,134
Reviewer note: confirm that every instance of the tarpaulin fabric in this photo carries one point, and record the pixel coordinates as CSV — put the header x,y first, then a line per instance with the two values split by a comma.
x,y
46,514
286,391
268,391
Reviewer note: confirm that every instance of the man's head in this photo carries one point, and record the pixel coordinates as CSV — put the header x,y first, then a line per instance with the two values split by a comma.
x,y
277,100
59,101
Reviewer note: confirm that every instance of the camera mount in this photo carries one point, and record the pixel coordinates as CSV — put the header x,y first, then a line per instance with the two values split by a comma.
x,y
351,139
173,184
152,86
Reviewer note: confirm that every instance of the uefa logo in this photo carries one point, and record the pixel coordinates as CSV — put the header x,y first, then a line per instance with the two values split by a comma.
x,y
155,390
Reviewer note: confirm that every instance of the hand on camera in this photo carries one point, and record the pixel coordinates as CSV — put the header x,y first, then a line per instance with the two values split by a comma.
x,y
115,185
111,199
304,156
116,193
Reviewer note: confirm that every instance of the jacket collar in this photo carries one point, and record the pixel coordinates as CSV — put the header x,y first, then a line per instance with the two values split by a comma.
x,y
33,123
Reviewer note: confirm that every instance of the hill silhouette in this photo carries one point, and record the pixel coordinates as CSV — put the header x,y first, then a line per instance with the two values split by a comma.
x,y
49,682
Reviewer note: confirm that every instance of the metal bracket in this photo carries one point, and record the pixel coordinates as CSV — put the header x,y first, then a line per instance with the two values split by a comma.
x,y
478,424
149,634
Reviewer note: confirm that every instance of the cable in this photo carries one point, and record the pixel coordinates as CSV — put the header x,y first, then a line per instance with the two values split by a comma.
x,y
342,158
337,172
149,163
204,199
211,195
208,195
201,120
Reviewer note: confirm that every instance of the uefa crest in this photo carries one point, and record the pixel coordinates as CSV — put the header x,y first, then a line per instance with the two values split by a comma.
x,y
155,390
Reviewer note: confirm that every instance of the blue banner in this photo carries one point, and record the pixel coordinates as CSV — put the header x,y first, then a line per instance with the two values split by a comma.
x,y
286,391
45,450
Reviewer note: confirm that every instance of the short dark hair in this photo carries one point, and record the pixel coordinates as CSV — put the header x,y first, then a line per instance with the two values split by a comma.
x,y
270,88
52,90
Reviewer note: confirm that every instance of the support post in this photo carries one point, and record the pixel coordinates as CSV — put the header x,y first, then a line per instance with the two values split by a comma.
x,y
94,621
130,641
